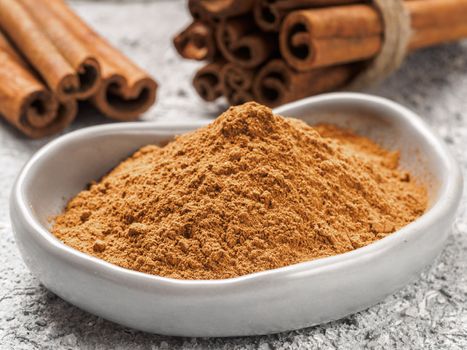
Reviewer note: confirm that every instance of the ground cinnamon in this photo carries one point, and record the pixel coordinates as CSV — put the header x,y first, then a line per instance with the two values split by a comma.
x,y
250,192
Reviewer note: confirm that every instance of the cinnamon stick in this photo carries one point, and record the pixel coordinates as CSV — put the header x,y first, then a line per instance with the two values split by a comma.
x,y
240,97
126,90
277,83
219,9
323,37
237,83
196,42
25,102
196,11
78,56
436,35
18,24
269,14
240,42
207,81
237,77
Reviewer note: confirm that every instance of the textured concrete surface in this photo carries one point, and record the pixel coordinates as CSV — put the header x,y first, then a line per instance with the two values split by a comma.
x,y
430,313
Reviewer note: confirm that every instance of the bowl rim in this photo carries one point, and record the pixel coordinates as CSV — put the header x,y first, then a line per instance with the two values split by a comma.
x,y
448,199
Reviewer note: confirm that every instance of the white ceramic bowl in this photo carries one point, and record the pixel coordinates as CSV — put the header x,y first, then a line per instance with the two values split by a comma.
x,y
272,301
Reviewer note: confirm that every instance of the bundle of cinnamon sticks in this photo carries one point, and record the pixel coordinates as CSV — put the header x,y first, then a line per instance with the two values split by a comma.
x,y
50,59
283,50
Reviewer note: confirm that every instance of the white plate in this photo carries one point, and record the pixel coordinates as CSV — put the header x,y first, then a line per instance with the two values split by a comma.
x,y
272,301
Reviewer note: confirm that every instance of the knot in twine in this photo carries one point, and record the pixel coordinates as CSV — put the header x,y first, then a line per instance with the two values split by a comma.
x,y
397,31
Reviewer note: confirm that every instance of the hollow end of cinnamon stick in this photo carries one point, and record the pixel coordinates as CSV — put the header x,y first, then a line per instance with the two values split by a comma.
x,y
196,42
42,115
38,110
38,113
330,36
236,84
295,42
116,100
28,35
83,64
89,76
272,84
239,97
234,77
241,43
26,102
207,81
125,90
277,83
267,15
66,87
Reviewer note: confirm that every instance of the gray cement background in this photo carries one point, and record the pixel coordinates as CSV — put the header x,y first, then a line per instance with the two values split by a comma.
x,y
430,313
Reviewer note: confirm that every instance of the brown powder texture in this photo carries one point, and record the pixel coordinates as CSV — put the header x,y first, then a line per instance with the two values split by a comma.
x,y
252,191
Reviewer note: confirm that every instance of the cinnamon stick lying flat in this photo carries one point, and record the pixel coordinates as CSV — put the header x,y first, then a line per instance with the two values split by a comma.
x,y
25,102
269,14
241,43
237,83
78,56
196,42
126,90
18,24
276,83
323,37
207,81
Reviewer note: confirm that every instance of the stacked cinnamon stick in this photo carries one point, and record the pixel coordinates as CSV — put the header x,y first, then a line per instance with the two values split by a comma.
x,y
279,51
50,59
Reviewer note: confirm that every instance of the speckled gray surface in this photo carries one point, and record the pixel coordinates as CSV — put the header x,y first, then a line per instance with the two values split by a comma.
x,y
431,313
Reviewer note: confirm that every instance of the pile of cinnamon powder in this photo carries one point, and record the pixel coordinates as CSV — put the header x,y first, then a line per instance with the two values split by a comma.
x,y
250,192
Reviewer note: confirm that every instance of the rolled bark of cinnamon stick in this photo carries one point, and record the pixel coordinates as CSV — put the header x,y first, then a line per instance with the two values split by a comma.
x,y
219,9
277,83
78,56
269,14
239,97
323,37
237,77
26,34
237,83
240,42
126,90
196,42
196,11
207,81
436,35
25,102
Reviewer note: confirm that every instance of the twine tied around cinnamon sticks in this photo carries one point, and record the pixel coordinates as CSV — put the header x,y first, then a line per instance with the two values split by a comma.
x,y
396,37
